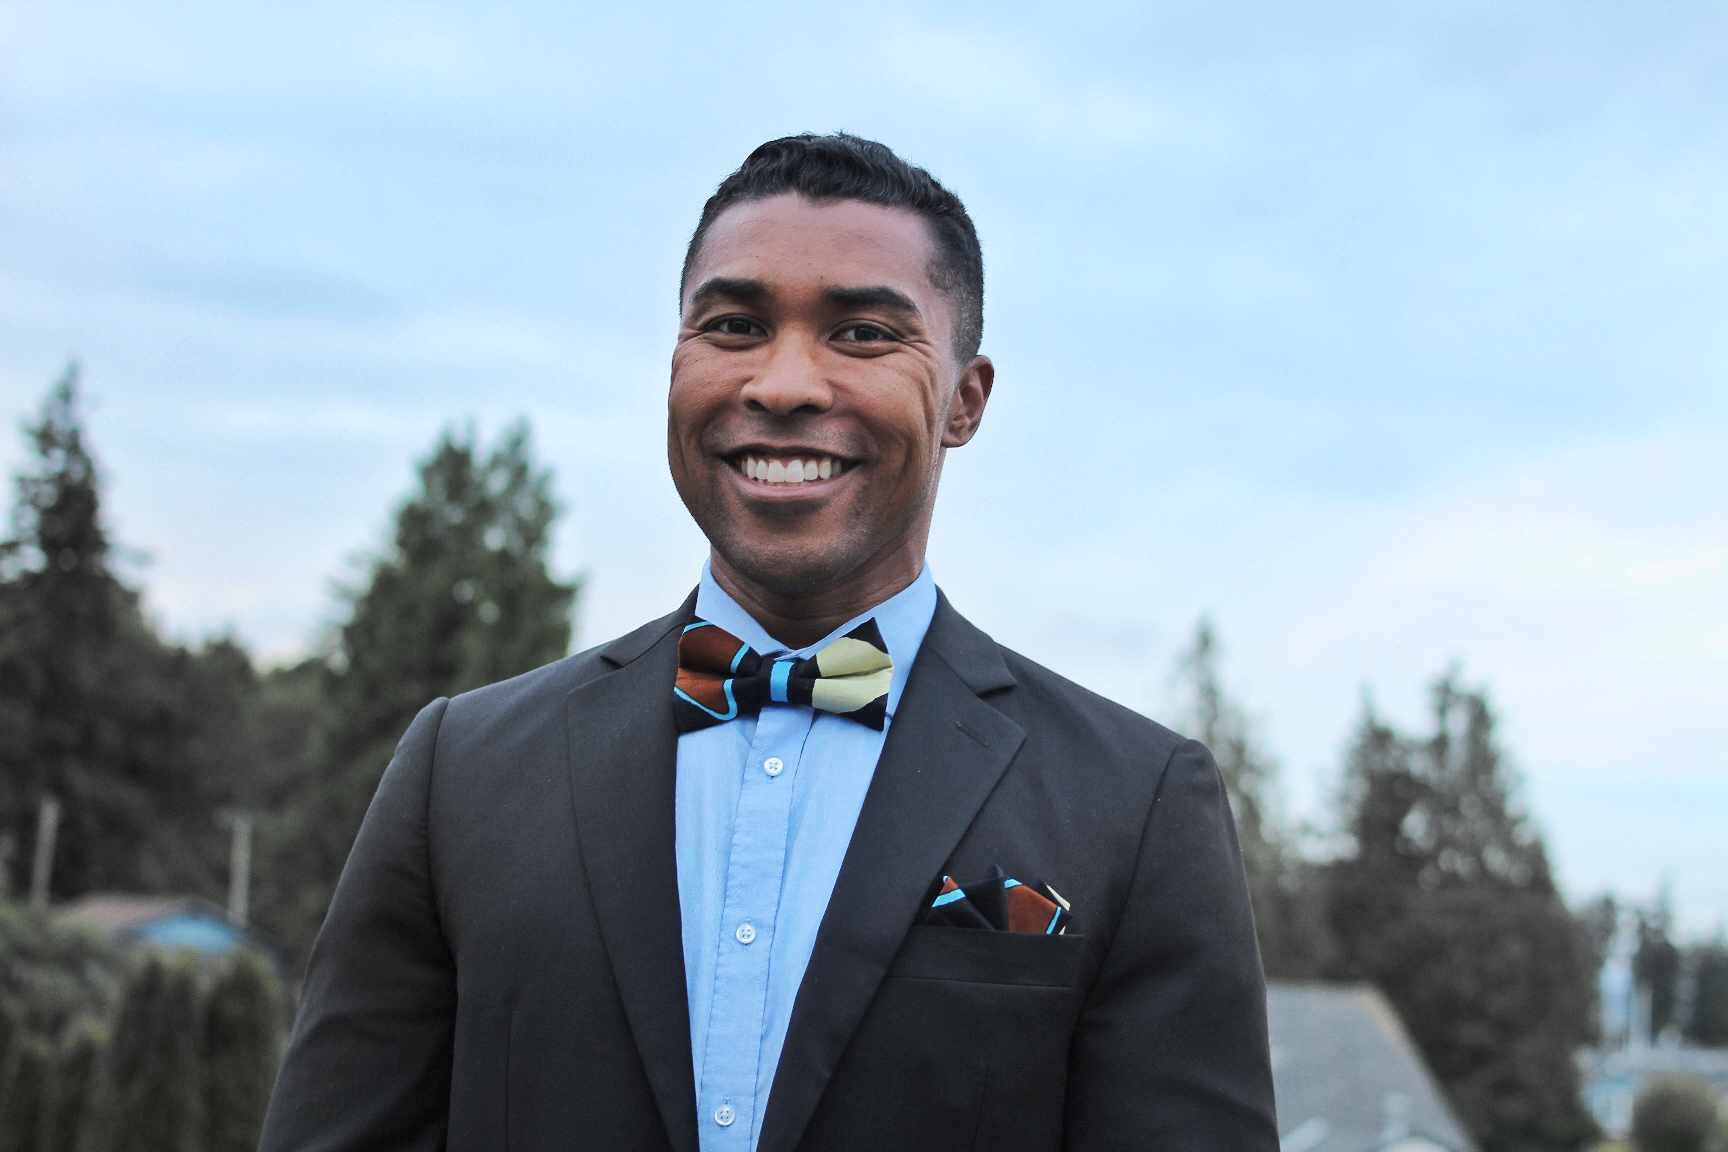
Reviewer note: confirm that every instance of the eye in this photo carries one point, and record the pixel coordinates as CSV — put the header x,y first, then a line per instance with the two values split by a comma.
x,y
865,334
735,326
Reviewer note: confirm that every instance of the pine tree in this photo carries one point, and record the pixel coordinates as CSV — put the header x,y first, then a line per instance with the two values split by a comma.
x,y
63,616
27,1095
1656,964
1709,1023
137,1031
461,597
79,1058
243,1031
160,1084
1446,902
95,709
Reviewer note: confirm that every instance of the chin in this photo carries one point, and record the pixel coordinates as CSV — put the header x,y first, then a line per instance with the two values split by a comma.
x,y
796,571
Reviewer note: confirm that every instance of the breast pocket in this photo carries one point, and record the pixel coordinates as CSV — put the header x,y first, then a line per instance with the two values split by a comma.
x,y
976,955
964,1047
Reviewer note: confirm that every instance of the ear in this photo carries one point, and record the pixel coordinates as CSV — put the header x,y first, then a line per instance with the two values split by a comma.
x,y
966,407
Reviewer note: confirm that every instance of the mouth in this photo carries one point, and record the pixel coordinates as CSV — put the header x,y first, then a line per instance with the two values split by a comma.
x,y
788,472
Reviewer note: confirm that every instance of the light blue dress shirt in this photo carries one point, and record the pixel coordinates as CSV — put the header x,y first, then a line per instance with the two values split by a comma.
x,y
765,809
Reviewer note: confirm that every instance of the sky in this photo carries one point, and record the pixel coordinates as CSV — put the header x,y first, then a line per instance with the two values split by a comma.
x,y
1388,338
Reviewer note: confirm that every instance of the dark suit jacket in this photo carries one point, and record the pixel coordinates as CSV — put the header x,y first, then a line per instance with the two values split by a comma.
x,y
502,968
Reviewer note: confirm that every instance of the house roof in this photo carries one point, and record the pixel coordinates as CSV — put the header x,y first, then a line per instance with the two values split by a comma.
x,y
1349,1078
124,912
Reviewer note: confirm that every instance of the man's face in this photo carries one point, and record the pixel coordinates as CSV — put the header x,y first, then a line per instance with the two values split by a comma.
x,y
814,389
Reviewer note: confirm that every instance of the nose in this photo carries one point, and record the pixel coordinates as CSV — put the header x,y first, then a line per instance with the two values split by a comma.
x,y
790,383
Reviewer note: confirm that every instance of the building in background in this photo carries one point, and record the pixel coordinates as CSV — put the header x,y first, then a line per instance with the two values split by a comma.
x,y
1349,1078
181,923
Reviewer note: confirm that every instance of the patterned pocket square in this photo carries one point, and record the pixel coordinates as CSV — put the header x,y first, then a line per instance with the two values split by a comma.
x,y
998,902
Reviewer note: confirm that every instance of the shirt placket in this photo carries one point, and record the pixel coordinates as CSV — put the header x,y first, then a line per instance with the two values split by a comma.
x,y
755,868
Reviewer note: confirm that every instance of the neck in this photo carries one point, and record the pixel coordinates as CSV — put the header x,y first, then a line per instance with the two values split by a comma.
x,y
798,619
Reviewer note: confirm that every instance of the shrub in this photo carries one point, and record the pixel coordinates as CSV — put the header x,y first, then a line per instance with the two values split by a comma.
x,y
26,1095
1675,1116
77,1103
157,1071
242,1040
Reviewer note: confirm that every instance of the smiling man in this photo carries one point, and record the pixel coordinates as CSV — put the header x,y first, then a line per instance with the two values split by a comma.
x,y
810,862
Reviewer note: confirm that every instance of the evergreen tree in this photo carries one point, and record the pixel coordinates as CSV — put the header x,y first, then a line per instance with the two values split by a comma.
x,y
79,1058
244,1026
1446,901
462,596
160,1089
1656,965
27,1095
137,1032
95,709
63,619
1709,1023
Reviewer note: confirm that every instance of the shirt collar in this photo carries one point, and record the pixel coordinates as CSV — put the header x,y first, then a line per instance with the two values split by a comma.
x,y
903,618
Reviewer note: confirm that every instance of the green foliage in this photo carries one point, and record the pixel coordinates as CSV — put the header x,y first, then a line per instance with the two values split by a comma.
x,y
243,1030
135,737
1447,903
461,597
1709,1023
79,1061
184,1069
1656,965
27,1096
57,988
1676,1116
156,1074
51,980
136,1033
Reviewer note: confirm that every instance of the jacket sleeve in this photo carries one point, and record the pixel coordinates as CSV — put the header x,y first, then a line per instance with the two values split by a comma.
x,y
1170,1050
368,1065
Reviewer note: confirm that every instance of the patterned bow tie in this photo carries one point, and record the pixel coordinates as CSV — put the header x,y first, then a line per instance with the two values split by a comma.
x,y
720,677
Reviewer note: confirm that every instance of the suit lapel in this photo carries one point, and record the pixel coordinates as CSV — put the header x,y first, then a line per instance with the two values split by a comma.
x,y
624,758
946,749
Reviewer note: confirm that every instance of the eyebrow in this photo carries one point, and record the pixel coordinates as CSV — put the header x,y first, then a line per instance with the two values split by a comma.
x,y
733,288
877,297
755,293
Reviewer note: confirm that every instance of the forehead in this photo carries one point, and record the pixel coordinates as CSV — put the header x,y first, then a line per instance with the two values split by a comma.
x,y
788,241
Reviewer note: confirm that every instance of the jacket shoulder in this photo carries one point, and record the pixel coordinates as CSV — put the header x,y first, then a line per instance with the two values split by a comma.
x,y
1080,715
541,690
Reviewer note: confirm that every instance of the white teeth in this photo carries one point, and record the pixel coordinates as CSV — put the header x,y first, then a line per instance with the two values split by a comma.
x,y
770,471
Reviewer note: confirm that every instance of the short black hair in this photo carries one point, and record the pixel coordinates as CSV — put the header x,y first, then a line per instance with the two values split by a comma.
x,y
845,167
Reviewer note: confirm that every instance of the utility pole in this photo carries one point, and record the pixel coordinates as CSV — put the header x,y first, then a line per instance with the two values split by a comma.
x,y
239,823
42,866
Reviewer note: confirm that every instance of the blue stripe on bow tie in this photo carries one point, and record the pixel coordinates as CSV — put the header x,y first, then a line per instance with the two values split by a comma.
x,y
731,712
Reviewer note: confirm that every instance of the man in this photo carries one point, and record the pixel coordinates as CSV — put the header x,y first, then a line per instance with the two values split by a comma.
x,y
809,862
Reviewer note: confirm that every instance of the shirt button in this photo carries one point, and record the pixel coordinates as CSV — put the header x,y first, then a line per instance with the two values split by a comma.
x,y
773,765
724,1115
746,932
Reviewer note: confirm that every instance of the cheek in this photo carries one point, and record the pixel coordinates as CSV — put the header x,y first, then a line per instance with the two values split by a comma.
x,y
907,415
693,398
